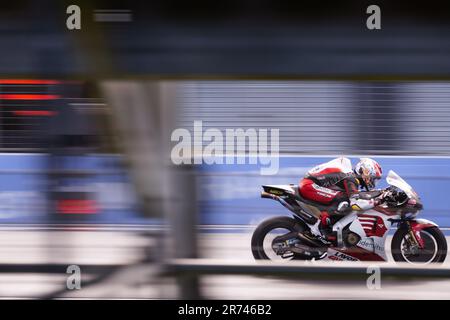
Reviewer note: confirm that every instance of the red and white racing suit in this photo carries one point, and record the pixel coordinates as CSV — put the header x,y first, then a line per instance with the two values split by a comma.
x,y
333,183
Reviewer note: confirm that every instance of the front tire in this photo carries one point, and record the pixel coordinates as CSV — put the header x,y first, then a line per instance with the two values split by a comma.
x,y
265,228
435,250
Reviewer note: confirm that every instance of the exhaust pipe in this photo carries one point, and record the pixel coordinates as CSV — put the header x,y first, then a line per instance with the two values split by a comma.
x,y
267,195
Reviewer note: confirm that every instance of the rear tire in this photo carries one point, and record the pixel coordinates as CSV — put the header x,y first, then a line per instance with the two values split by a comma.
x,y
434,232
265,227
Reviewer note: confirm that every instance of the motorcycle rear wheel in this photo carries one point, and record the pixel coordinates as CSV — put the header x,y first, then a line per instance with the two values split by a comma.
x,y
263,229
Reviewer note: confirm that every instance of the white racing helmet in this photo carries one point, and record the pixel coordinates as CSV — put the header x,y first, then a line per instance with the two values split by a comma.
x,y
369,171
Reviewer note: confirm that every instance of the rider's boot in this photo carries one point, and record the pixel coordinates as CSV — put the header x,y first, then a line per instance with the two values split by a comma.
x,y
319,232
322,230
326,226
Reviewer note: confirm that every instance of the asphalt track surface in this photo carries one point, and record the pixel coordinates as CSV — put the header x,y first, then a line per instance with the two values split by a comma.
x,y
122,263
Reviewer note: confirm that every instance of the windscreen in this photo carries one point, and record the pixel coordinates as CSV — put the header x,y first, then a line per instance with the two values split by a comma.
x,y
396,181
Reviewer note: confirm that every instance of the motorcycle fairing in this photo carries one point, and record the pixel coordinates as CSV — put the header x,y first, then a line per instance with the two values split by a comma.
x,y
372,227
352,254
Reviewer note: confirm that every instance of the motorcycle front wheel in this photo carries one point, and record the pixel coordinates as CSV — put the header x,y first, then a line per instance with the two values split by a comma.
x,y
434,251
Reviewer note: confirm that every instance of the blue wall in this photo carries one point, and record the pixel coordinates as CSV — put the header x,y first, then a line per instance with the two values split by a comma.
x,y
24,182
231,193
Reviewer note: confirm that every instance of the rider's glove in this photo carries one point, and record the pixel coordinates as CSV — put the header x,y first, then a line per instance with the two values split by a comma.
x,y
359,204
384,196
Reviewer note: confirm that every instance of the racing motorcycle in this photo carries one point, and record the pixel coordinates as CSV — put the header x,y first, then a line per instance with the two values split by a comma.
x,y
357,236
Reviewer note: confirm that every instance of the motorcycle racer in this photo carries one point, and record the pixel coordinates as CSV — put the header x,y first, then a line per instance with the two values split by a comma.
x,y
359,235
336,184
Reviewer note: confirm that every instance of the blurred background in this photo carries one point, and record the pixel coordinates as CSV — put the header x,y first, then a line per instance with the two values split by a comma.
x,y
86,118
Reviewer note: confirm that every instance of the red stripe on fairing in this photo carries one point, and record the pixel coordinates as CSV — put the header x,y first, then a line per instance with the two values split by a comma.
x,y
29,96
372,225
28,81
361,254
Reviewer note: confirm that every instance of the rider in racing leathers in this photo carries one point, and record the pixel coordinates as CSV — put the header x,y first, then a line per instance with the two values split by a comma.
x,y
336,184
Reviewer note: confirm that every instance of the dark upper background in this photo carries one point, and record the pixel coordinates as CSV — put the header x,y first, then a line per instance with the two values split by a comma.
x,y
227,38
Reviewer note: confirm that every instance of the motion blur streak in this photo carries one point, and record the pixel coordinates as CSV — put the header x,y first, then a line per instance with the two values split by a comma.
x,y
86,118
28,97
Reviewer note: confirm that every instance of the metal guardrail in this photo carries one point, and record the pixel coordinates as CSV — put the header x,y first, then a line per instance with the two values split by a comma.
x,y
304,269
